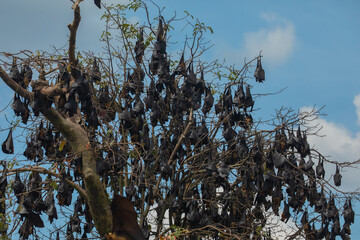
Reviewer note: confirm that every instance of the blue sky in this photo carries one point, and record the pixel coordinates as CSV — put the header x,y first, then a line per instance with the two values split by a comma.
x,y
311,48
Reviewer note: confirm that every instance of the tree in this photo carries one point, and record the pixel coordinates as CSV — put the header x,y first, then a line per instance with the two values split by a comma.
x,y
138,124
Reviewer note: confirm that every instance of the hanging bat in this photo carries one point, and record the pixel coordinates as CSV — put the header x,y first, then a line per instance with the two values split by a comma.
x,y
337,177
14,71
18,186
259,72
8,145
18,106
320,171
98,3
125,224
140,47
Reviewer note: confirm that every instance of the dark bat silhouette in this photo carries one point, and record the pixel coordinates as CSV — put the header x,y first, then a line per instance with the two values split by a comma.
x,y
18,186
14,72
18,106
8,145
259,72
50,205
125,224
139,47
337,177
320,171
181,67
98,3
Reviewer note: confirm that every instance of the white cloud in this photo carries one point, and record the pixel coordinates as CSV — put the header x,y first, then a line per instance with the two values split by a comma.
x,y
340,145
276,42
281,230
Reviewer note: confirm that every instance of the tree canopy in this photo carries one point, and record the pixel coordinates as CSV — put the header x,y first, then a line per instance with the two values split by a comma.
x,y
163,134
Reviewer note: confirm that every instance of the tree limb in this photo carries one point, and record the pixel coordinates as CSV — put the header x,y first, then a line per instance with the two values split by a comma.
x,y
49,91
73,28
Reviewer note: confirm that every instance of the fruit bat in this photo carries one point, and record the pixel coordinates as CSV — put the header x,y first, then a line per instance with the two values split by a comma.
x,y
193,136
249,102
64,195
259,72
136,80
18,186
26,229
63,76
48,142
165,169
34,187
8,146
163,69
308,165
336,227
278,159
239,98
320,171
203,133
124,220
208,101
71,104
160,30
36,104
291,141
14,72
181,67
98,3
27,75
193,215
50,205
34,219
196,101
348,212
92,118
280,141
138,106
191,77
139,47
228,134
75,223
227,104
17,106
3,185
200,85
337,177
125,116
154,64
104,97
102,166
26,114
78,205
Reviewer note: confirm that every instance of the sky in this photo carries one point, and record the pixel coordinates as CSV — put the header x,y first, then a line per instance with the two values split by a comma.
x,y
310,48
